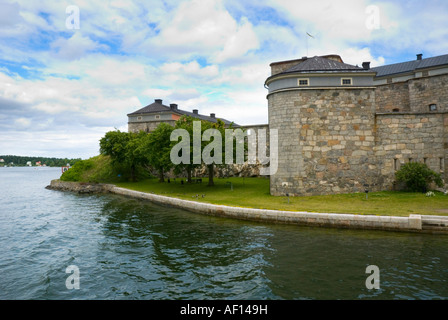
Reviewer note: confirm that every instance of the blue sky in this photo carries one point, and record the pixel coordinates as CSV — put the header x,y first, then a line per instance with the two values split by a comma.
x,y
62,89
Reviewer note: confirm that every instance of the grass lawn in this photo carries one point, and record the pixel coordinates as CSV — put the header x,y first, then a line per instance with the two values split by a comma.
x,y
254,193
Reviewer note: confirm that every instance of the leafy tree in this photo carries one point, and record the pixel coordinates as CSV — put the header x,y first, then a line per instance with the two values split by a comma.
x,y
124,149
211,147
156,148
186,123
417,176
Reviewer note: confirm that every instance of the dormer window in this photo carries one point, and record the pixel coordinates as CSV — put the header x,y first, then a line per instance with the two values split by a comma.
x,y
346,81
303,82
433,107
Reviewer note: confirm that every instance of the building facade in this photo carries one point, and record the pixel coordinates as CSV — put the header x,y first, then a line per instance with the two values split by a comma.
x,y
344,128
149,117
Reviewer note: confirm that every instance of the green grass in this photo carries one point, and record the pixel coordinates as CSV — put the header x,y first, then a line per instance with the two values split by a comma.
x,y
254,193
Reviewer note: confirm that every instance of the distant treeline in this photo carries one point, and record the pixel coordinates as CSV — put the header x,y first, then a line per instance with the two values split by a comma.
x,y
19,161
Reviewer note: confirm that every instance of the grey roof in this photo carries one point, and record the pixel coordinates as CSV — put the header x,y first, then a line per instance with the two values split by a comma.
x,y
158,107
410,66
152,108
322,64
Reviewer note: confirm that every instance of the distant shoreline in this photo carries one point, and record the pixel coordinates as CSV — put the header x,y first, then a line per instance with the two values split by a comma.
x,y
413,223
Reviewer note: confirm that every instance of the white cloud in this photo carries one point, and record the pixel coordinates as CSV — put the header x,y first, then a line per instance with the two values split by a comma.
x,y
74,47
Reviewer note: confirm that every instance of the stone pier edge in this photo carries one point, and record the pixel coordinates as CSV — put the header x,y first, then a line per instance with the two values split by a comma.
x,y
413,223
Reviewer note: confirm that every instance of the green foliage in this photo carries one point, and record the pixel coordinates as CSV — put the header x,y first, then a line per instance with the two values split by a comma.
x,y
156,147
418,176
125,152
208,143
76,172
49,162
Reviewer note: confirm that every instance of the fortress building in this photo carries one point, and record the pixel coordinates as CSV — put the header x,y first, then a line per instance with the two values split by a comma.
x,y
344,128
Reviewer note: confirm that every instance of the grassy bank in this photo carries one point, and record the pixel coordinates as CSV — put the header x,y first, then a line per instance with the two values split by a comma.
x,y
254,193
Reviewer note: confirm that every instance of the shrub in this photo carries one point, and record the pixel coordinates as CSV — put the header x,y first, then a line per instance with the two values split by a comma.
x,y
417,176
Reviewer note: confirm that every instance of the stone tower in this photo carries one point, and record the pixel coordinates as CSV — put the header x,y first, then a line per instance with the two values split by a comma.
x,y
324,112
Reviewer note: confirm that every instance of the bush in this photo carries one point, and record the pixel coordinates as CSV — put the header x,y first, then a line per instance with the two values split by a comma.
x,y
417,176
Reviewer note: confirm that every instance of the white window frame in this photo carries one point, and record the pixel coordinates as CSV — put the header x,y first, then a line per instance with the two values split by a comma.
x,y
303,79
345,84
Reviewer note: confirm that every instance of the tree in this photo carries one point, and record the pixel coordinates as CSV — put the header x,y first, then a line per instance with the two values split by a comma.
x,y
156,147
212,140
124,149
186,123
417,176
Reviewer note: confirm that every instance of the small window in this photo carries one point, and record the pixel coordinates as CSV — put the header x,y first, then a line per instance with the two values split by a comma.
x,y
346,81
303,82
425,161
432,107
139,118
396,110
157,117
425,73
389,80
396,164
442,165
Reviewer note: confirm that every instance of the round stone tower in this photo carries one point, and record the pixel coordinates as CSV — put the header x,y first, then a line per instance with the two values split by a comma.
x,y
324,111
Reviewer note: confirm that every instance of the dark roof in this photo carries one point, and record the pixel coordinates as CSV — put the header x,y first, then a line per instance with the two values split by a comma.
x,y
158,107
322,64
410,66
152,108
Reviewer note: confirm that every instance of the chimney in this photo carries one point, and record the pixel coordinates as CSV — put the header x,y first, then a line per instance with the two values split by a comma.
x,y
195,111
212,115
173,106
366,65
419,56
158,101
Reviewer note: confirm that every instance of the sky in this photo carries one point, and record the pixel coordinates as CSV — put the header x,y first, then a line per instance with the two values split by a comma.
x,y
70,71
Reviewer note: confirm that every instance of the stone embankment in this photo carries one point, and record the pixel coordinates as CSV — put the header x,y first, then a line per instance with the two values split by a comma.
x,y
413,223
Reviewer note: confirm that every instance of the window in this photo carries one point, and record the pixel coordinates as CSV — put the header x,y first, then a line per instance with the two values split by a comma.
x,y
139,118
303,82
442,165
389,80
432,107
157,117
396,110
425,161
425,73
396,164
346,81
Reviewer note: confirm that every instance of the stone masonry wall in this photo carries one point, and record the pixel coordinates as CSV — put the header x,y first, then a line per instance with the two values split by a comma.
x,y
392,96
428,90
326,141
146,126
410,137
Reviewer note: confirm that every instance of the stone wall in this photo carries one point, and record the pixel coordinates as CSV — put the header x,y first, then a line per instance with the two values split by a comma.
x,y
392,96
147,126
428,90
406,137
326,141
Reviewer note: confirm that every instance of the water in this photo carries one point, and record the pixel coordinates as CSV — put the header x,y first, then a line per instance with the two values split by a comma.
x,y
133,249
